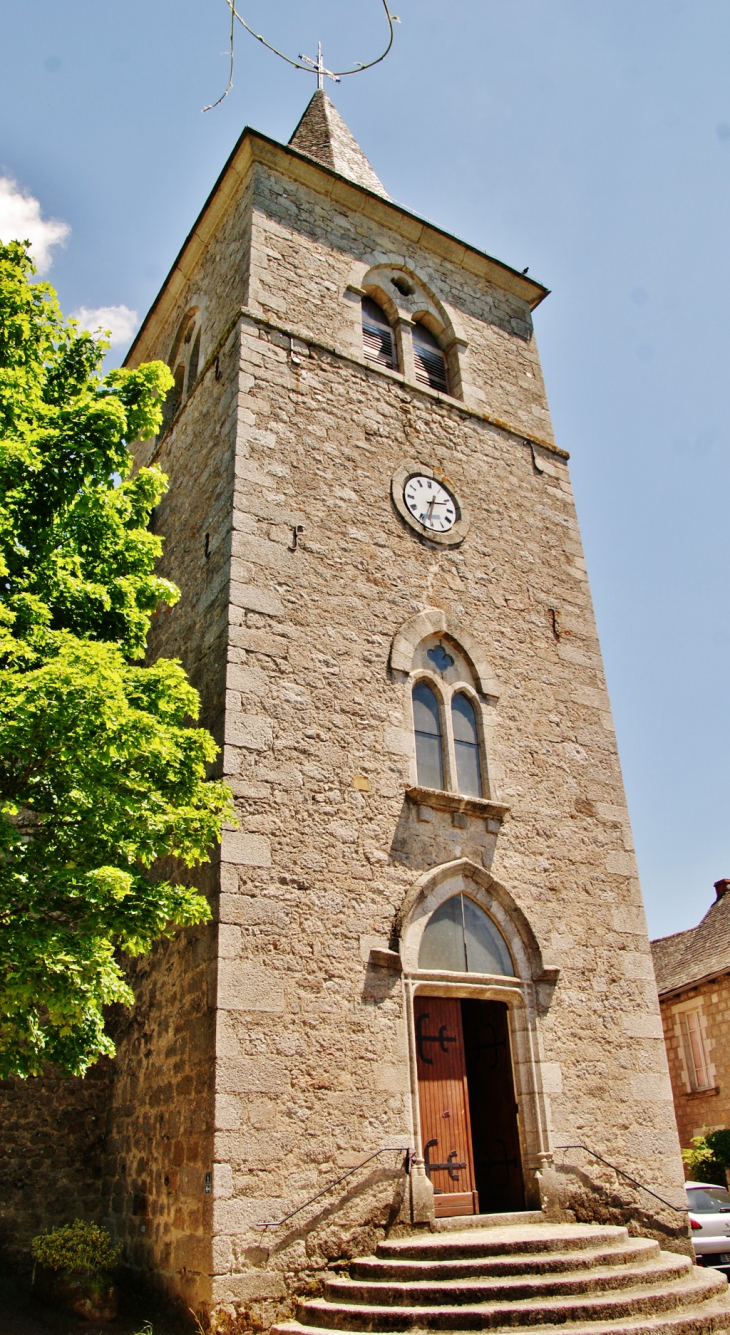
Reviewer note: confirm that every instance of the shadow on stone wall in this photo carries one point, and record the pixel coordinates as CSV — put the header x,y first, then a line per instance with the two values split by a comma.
x,y
425,837
590,1201
52,1157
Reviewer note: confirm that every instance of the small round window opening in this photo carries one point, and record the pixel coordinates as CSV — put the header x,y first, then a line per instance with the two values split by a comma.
x,y
461,938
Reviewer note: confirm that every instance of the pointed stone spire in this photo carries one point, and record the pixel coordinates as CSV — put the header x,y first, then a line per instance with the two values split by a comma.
x,y
322,134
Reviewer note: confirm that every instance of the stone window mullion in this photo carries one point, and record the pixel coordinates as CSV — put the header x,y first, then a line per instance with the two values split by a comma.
x,y
404,342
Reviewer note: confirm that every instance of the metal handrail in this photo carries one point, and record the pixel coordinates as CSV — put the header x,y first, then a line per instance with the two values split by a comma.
x,y
388,1149
677,1209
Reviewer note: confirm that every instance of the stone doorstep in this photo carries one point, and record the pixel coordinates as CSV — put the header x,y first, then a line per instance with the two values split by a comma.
x,y
651,1300
506,1239
435,1290
638,1289
636,1251
712,1318
461,1222
692,1287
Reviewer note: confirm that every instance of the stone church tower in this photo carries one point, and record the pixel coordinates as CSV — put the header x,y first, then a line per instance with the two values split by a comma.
x,y
429,933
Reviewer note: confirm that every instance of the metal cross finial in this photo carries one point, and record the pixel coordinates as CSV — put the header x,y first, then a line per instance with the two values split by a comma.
x,y
319,66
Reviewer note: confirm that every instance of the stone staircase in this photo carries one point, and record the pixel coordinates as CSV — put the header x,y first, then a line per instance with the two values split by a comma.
x,y
588,1279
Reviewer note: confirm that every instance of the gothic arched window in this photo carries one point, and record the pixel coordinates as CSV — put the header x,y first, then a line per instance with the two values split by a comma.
x,y
194,362
174,396
466,746
378,342
461,938
429,359
427,726
184,362
448,722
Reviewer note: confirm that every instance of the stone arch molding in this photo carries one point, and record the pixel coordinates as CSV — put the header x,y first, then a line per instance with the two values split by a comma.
x,y
434,621
533,964
421,303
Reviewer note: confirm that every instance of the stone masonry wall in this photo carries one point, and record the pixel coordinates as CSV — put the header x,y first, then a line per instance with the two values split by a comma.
x,y
160,1152
704,1110
305,252
51,1156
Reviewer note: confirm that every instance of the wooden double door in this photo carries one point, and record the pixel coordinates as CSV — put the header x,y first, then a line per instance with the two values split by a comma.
x,y
469,1134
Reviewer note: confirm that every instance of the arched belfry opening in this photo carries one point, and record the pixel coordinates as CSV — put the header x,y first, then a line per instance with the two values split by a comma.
x,y
475,980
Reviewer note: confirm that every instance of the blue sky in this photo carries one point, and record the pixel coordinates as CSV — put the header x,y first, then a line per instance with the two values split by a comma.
x,y
588,139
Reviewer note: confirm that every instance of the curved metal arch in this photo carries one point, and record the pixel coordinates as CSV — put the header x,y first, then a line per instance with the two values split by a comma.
x,y
303,63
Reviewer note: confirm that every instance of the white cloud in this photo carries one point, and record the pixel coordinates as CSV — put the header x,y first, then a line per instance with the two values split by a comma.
x,y
20,220
119,320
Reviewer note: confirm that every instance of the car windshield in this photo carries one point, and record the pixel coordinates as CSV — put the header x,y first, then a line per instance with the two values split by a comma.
x,y
708,1200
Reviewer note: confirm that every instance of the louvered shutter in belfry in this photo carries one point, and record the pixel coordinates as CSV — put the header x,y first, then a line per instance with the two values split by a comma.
x,y
429,359
377,335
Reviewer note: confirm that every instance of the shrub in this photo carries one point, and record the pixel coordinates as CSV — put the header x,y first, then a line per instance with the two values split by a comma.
x,y
709,1157
74,1247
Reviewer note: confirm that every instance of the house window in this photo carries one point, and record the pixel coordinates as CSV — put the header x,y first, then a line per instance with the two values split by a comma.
x,y
462,938
377,335
694,1049
427,725
466,746
429,359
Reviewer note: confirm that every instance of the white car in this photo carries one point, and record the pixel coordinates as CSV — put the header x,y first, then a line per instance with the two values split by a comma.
x,y
709,1217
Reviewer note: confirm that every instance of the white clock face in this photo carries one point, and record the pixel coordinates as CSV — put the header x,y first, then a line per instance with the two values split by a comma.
x,y
430,503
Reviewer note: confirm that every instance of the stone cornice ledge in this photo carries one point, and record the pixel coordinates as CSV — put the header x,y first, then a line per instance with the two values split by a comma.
x,y
442,801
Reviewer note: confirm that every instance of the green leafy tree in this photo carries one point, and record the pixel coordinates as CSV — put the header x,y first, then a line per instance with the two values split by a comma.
x,y
102,775
708,1159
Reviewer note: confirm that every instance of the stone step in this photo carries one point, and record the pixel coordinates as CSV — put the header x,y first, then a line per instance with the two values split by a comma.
x,y
711,1317
512,1288
695,1286
523,1240
636,1251
461,1222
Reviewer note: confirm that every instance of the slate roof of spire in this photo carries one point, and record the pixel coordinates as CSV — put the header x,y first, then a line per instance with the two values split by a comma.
x,y
322,134
701,952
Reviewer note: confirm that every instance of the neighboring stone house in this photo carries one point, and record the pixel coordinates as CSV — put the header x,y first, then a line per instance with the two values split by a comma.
x,y
428,928
693,980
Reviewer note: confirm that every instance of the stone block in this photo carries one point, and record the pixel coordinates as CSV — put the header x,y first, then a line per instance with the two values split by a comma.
x,y
253,598
398,741
251,1286
261,551
621,864
246,986
254,732
642,1026
651,1087
258,1075
248,680
222,1180
247,850
392,1077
